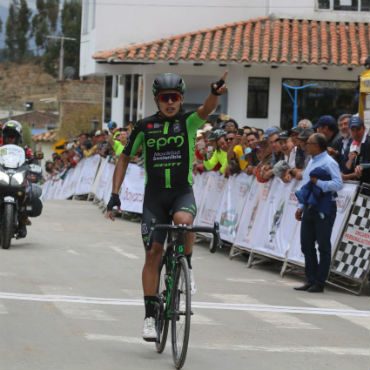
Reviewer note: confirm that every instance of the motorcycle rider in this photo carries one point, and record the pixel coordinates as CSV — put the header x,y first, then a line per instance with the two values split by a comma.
x,y
12,134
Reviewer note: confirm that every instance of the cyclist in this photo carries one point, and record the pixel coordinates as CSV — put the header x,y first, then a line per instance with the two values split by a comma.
x,y
168,142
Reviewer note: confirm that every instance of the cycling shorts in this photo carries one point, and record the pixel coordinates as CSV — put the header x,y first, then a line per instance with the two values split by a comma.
x,y
162,204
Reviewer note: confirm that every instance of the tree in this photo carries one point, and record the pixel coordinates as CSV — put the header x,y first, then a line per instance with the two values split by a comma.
x,y
1,25
23,29
17,30
10,32
71,27
45,21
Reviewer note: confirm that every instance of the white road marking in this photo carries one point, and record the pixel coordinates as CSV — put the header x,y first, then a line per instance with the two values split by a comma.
x,y
72,251
279,320
263,281
198,319
364,322
341,351
201,305
83,311
119,250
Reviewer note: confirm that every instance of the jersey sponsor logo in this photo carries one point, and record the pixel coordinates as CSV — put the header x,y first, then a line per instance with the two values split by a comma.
x,y
164,141
176,128
149,125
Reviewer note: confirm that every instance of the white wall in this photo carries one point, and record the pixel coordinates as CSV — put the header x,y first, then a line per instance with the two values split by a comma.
x,y
117,103
198,80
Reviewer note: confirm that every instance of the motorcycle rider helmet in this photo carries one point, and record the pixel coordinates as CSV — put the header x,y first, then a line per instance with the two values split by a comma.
x,y
168,81
12,129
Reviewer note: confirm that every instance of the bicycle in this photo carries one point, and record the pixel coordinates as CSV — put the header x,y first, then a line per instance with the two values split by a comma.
x,y
173,294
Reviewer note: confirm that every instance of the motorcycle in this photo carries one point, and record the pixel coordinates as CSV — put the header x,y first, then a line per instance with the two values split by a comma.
x,y
13,190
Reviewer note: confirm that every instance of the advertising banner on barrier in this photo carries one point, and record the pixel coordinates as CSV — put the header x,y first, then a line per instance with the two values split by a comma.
x,y
233,201
67,189
211,203
132,190
273,235
104,178
87,176
108,182
199,188
243,236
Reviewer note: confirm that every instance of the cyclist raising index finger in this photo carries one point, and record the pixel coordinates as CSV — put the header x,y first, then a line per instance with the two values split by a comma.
x,y
167,139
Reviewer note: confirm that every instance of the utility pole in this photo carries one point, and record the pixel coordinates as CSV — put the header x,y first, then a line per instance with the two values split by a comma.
x,y
61,52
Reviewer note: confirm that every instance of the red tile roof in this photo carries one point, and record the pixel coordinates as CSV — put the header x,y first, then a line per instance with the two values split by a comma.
x,y
258,40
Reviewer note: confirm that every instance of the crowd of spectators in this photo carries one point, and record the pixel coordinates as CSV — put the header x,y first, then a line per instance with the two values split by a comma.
x,y
106,143
230,149
225,147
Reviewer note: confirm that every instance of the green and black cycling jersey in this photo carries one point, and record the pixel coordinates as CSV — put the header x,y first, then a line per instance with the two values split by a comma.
x,y
168,148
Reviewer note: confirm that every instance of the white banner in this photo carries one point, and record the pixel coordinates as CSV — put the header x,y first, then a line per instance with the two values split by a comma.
x,y
87,176
132,190
257,195
213,197
232,205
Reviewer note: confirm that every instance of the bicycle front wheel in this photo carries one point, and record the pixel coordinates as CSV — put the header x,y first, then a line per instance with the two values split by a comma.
x,y
181,313
162,320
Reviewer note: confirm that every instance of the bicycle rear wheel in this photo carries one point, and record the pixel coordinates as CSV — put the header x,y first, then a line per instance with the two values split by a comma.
x,y
180,313
162,320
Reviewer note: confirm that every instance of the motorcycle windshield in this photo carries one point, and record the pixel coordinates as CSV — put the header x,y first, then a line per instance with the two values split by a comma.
x,y
12,156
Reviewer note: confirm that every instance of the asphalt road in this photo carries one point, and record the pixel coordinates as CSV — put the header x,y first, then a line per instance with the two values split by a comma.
x,y
70,298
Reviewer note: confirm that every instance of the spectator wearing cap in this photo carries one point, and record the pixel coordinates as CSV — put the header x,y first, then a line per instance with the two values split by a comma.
x,y
287,148
118,141
97,139
305,123
219,156
344,142
263,169
327,125
358,164
317,222
302,139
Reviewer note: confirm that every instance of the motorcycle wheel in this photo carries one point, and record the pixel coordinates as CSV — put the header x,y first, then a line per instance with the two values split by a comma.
x,y
7,225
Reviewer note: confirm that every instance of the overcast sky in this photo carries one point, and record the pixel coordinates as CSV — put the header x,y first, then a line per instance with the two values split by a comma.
x,y
31,3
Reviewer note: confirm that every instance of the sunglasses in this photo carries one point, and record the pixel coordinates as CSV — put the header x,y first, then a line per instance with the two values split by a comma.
x,y
229,139
164,98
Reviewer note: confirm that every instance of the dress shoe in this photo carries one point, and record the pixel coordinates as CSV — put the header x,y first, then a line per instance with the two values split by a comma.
x,y
316,288
304,287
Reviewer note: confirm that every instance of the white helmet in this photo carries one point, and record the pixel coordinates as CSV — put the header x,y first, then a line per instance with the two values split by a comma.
x,y
12,129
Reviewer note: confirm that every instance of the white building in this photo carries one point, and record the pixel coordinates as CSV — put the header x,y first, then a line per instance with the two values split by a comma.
x,y
262,44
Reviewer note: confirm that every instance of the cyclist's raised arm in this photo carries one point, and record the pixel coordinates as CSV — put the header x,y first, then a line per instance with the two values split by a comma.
x,y
217,88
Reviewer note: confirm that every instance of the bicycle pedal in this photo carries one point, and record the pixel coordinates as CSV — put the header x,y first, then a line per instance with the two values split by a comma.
x,y
191,313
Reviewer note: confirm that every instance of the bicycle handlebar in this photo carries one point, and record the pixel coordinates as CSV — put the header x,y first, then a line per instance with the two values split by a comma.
x,y
215,230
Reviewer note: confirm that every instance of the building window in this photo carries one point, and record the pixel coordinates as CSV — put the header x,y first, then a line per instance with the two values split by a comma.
x,y
258,97
115,86
327,97
108,98
344,5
